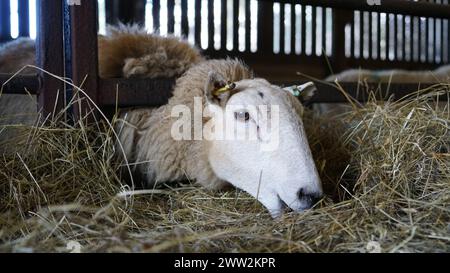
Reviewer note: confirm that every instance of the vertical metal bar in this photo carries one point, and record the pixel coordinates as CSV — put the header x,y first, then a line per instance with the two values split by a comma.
x,y
170,16
184,18
5,21
282,28
24,18
223,25
198,22
155,11
265,27
84,55
49,53
247,25
211,24
236,25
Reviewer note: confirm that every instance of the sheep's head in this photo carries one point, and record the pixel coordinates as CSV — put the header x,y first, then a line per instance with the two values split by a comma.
x,y
258,144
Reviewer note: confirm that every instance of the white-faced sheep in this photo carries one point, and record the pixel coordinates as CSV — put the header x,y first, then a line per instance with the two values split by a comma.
x,y
284,176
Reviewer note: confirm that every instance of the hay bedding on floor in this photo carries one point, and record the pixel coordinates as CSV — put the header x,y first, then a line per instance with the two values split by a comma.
x,y
385,168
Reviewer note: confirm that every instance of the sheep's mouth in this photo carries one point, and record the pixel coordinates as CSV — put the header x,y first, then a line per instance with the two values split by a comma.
x,y
284,206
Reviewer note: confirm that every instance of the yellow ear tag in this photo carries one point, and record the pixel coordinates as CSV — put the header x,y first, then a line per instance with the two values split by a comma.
x,y
226,88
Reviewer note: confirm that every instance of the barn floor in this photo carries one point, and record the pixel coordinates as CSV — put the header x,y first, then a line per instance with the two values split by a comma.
x,y
387,181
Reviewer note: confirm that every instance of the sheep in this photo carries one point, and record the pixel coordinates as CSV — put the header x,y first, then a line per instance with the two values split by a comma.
x,y
282,177
129,51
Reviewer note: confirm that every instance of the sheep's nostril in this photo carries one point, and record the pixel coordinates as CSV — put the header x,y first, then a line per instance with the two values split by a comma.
x,y
309,199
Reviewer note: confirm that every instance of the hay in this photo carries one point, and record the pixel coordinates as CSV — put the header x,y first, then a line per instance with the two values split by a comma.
x,y
385,168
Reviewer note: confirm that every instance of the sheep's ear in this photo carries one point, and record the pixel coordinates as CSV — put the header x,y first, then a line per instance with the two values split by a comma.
x,y
309,89
217,90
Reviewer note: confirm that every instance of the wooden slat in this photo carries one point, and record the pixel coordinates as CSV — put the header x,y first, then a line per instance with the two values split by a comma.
x,y
223,25
265,27
22,84
419,35
247,25
396,37
235,25
5,21
324,31
331,94
111,12
303,31
352,35
156,92
170,16
292,20
442,41
427,39
282,28
156,8
433,41
378,35
314,30
211,23
24,18
198,22
370,35
388,36
84,55
404,37
184,18
411,44
49,53
361,35
135,92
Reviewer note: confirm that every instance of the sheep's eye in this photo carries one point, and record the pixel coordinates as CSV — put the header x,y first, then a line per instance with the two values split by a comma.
x,y
242,115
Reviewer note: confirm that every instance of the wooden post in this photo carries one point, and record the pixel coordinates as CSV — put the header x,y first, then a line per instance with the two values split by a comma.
x,y
49,54
84,55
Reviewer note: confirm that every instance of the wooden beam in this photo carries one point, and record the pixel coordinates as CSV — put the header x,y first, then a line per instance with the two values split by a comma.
x,y
85,55
49,53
